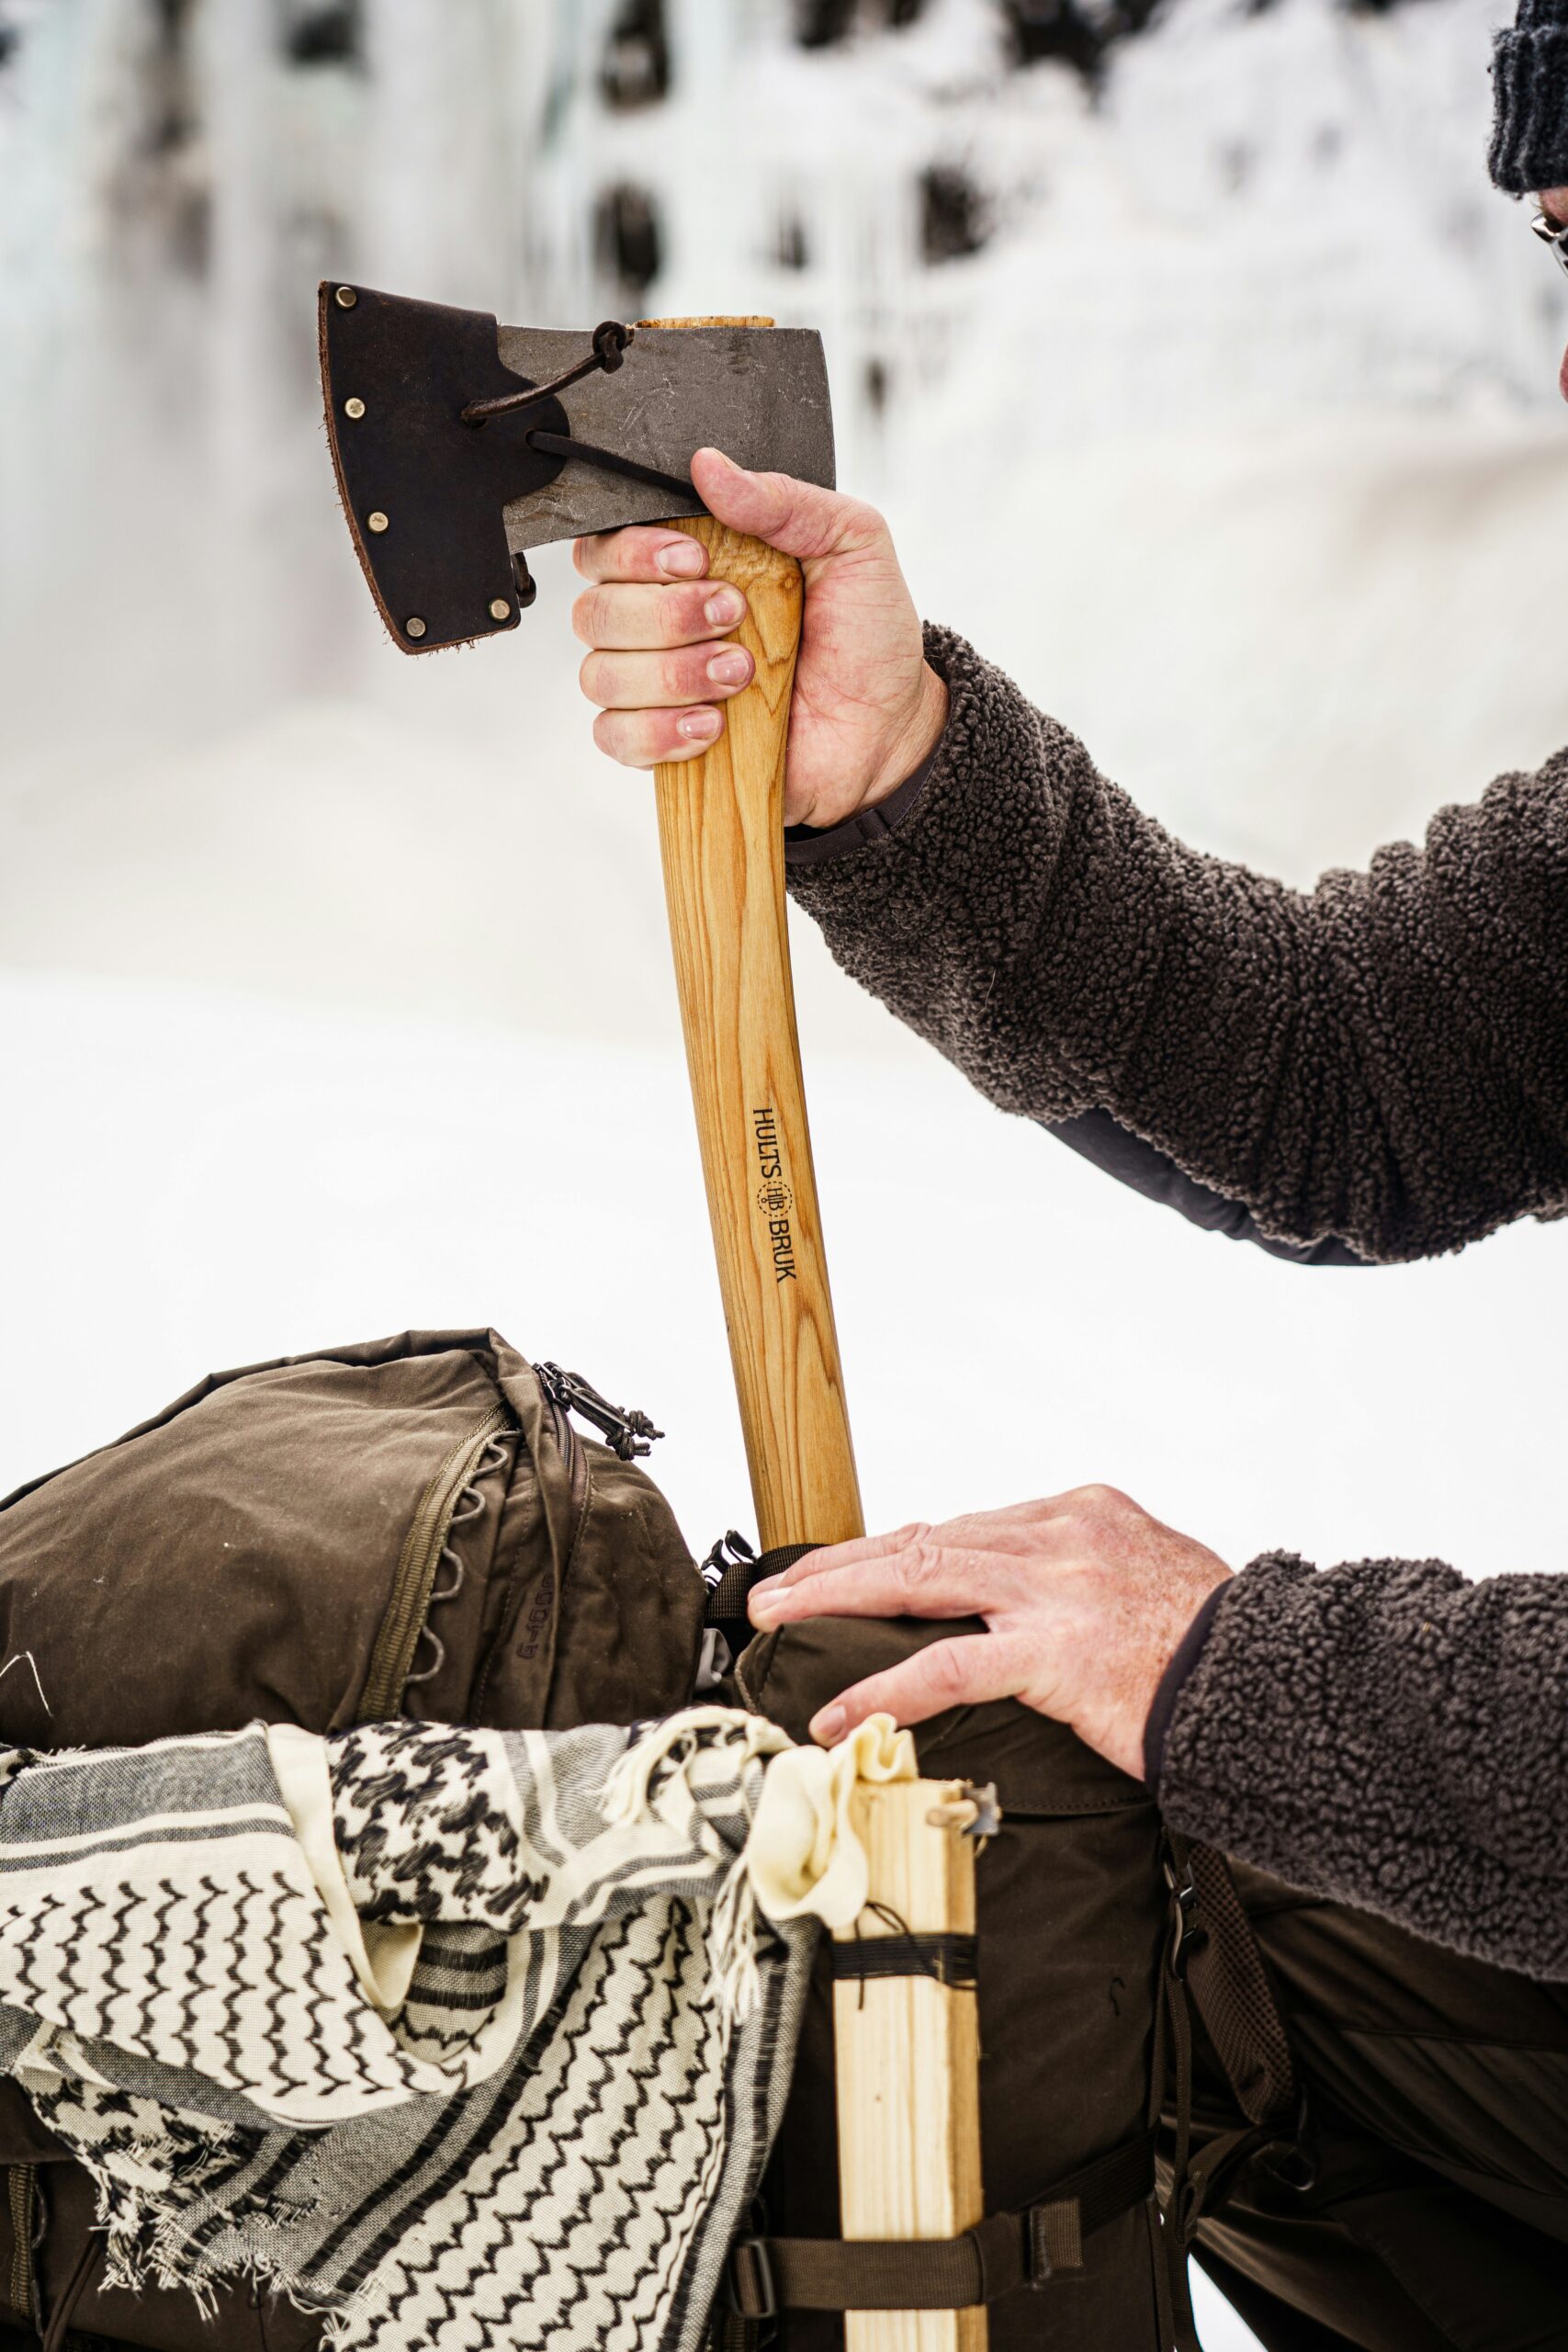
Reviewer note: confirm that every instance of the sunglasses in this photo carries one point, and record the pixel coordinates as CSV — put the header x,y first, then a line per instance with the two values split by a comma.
x,y
1555,234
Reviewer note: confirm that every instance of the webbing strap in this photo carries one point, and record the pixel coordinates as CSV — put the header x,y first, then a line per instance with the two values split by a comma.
x,y
726,1600
17,2287
1231,1985
880,2274
1173,2289
1212,1954
1004,2251
948,1960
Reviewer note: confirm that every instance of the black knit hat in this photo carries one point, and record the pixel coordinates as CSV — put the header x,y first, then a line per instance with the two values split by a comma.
x,y
1530,83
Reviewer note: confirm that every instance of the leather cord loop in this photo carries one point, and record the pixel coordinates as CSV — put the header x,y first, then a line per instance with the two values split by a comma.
x,y
607,349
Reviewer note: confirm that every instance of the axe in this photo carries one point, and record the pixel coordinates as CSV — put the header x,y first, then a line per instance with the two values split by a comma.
x,y
459,446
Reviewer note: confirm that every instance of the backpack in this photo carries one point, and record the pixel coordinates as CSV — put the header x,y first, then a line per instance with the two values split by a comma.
x,y
413,1526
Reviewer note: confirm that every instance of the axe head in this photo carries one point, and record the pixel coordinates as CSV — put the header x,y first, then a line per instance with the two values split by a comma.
x,y
442,502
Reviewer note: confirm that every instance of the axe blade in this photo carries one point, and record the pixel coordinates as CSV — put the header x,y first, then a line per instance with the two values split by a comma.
x,y
758,393
438,508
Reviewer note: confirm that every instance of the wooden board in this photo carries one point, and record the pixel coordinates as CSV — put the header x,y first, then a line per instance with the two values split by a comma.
x,y
908,2056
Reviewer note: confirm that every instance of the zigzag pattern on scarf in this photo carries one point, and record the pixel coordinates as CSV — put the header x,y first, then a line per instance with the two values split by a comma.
x,y
551,2143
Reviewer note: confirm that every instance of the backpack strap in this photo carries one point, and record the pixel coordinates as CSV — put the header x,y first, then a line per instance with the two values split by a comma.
x,y
1042,2241
1172,2047
1230,1981
1212,1956
20,2197
732,1569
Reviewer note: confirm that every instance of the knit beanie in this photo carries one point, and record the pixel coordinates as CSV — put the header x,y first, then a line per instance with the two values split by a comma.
x,y
1530,86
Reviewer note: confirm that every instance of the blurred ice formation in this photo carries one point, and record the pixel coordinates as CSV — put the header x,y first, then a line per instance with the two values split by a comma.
x,y
1208,384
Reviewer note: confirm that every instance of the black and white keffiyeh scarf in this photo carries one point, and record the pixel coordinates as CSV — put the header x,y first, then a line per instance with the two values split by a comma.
x,y
459,2038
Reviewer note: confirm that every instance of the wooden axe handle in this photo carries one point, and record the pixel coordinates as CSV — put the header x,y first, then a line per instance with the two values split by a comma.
x,y
721,832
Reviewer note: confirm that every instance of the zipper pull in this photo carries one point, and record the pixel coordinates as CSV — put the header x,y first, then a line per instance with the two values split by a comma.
x,y
731,1551
624,1429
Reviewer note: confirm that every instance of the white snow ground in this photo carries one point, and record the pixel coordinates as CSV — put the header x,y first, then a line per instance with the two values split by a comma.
x,y
197,1179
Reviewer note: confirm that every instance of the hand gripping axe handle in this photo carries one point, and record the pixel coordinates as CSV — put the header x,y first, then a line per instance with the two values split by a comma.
x,y
459,445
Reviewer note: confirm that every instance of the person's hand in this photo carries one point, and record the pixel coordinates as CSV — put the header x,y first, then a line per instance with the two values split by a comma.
x,y
866,709
1085,1599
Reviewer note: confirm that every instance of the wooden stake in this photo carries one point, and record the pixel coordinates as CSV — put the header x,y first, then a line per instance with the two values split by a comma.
x,y
909,2064
721,834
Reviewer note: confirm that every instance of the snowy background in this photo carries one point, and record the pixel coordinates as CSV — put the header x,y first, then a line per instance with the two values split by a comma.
x,y
1209,387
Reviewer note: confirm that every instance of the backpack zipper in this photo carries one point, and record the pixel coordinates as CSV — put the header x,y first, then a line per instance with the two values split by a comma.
x,y
392,1660
624,1429
626,1433
573,1452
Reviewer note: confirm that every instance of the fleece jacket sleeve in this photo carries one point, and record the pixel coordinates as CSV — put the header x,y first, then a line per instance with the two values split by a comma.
x,y
1382,1060
1394,1737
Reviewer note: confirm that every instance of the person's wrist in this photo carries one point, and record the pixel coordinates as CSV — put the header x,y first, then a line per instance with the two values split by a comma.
x,y
915,741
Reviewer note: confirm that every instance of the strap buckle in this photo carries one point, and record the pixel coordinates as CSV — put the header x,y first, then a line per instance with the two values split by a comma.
x,y
1188,1930
751,2294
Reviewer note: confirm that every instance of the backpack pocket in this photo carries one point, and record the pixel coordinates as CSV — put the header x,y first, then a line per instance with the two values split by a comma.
x,y
1070,1913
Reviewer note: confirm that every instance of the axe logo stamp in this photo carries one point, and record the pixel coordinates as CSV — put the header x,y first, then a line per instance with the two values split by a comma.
x,y
774,1198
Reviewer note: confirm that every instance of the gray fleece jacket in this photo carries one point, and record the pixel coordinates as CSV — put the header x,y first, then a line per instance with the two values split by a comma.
x,y
1381,1063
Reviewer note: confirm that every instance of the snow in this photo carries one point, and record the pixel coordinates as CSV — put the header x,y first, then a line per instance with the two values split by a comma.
x,y
209,1176
334,987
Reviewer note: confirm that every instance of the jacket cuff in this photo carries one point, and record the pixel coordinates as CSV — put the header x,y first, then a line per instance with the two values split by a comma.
x,y
816,846
1173,1681
1529,88
924,819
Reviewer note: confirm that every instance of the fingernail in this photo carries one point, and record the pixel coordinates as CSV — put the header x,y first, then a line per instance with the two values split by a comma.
x,y
730,669
828,1726
724,607
765,1584
698,726
763,1607
682,558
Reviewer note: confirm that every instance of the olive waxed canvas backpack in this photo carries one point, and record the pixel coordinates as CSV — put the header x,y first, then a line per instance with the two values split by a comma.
x,y
413,1526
